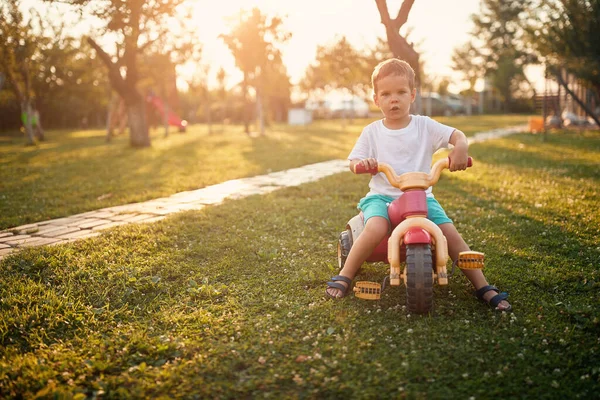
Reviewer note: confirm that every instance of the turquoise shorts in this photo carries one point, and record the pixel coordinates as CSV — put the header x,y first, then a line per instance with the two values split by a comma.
x,y
376,206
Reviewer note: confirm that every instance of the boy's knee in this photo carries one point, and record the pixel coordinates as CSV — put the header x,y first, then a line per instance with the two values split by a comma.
x,y
379,226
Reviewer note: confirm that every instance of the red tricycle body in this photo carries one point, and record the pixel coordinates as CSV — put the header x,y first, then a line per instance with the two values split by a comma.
x,y
415,243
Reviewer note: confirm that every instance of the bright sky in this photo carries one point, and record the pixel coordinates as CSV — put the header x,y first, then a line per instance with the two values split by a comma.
x,y
438,26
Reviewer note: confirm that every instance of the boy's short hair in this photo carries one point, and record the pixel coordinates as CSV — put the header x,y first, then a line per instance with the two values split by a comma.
x,y
393,66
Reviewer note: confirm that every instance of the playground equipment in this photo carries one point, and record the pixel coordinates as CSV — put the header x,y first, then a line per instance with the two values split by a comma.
x,y
566,101
172,118
416,243
117,115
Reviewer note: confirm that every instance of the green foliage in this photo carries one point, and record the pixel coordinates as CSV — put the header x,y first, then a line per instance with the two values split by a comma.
x,y
498,51
227,302
565,32
337,66
253,43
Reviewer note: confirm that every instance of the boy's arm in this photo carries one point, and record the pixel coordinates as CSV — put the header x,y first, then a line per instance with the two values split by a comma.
x,y
459,154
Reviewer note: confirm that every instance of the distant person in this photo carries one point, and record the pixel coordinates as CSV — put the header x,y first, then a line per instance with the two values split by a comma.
x,y
407,143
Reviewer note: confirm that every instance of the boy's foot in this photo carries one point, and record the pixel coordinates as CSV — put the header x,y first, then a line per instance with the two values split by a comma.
x,y
492,296
338,287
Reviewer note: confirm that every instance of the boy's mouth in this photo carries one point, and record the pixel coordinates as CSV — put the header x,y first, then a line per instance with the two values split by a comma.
x,y
394,108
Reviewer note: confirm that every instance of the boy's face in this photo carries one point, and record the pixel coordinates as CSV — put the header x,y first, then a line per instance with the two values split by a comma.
x,y
394,97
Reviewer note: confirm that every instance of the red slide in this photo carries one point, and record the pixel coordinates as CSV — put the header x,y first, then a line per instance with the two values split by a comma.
x,y
172,118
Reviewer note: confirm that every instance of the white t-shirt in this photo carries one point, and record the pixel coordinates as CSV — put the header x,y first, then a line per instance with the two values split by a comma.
x,y
406,150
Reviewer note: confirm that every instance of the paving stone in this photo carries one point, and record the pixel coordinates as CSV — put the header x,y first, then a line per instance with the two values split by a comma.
x,y
16,242
206,196
57,233
140,217
26,229
92,223
81,234
81,222
101,214
5,252
61,221
5,234
38,241
126,208
4,246
9,239
109,225
46,229
122,217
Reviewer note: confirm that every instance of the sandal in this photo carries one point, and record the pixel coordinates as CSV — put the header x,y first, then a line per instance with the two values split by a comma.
x,y
333,284
494,301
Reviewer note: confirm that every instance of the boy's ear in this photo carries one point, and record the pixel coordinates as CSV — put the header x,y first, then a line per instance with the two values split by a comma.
x,y
413,95
375,99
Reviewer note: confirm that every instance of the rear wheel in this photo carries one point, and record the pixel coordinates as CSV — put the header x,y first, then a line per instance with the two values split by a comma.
x,y
344,245
419,278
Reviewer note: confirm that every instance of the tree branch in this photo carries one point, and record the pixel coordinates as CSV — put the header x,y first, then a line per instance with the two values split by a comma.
x,y
114,74
402,16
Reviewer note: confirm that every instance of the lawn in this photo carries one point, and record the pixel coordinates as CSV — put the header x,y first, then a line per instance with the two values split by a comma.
x,y
77,171
227,302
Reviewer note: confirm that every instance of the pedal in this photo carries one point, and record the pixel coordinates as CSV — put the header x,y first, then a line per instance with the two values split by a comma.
x,y
367,290
470,260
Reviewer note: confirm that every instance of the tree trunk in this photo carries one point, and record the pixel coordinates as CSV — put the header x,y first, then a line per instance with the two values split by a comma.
x,y
38,130
398,45
470,105
246,105
139,135
138,126
208,117
26,110
259,112
166,117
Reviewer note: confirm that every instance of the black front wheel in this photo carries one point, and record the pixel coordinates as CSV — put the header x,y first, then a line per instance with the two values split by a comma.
x,y
419,278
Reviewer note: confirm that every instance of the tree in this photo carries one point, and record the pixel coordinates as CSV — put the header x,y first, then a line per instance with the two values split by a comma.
x,y
18,53
253,45
137,25
398,44
565,33
468,61
222,93
338,66
498,36
278,91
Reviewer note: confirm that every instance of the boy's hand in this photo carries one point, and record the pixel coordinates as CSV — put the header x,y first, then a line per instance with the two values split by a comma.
x,y
458,156
368,163
458,161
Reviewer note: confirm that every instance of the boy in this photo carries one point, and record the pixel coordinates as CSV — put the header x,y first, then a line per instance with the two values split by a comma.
x,y
406,142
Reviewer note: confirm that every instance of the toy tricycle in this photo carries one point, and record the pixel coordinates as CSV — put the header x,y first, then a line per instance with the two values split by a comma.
x,y
415,242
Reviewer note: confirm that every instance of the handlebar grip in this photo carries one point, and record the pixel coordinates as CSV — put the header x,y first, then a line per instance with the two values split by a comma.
x,y
469,162
361,169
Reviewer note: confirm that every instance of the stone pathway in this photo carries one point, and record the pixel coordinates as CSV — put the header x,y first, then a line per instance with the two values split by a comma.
x,y
92,223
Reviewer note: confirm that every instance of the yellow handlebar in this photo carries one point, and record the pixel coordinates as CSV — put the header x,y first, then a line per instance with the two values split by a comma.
x,y
416,180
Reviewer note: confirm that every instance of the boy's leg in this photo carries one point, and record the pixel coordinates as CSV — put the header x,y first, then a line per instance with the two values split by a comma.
x,y
456,244
375,230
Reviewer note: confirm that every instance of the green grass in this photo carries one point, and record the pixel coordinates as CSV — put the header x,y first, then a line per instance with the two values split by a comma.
x,y
77,171
227,302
